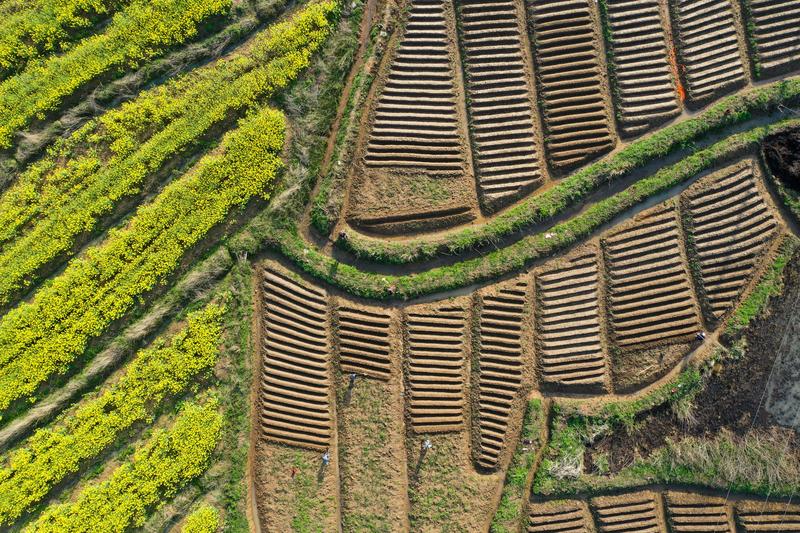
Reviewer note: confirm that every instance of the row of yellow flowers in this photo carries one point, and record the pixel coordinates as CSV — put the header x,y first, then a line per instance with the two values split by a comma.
x,y
158,470
52,454
41,27
143,30
85,176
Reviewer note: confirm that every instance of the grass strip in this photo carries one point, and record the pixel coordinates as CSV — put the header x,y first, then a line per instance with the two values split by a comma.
x,y
284,237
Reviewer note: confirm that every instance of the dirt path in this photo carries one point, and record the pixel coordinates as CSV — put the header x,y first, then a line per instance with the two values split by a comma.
x,y
367,21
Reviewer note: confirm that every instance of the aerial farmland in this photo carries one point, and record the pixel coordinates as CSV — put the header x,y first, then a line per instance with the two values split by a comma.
x,y
502,266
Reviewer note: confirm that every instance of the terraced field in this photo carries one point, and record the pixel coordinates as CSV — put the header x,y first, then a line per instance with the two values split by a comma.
x,y
399,266
573,88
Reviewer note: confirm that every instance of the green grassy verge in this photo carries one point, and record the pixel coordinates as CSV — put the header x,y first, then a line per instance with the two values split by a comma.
x,y
576,188
327,203
572,431
770,284
509,514
283,235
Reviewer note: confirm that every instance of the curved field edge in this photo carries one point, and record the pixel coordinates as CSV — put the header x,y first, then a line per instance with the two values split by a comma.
x,y
569,192
716,461
284,237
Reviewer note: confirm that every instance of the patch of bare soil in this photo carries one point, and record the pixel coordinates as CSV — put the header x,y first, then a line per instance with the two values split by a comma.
x,y
293,491
735,396
372,455
782,153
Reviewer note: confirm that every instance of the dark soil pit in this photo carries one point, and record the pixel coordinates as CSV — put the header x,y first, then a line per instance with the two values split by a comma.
x,y
782,153
734,392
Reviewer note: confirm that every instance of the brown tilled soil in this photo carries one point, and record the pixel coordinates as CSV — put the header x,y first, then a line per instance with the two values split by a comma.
x,y
734,393
782,153
372,456
446,492
292,492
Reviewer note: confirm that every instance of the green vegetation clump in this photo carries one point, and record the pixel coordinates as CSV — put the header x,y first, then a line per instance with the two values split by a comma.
x,y
509,513
43,337
167,461
144,30
52,454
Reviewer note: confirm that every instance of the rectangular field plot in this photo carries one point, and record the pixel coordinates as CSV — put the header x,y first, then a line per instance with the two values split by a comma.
x,y
774,517
565,516
436,368
689,512
295,392
500,367
501,105
571,73
639,512
416,119
643,75
711,51
651,296
364,341
775,28
570,347
732,225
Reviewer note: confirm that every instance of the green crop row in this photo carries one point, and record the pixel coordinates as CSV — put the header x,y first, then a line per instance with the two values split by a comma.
x,y
46,26
143,30
52,454
286,239
164,464
85,176
575,189
204,519
41,338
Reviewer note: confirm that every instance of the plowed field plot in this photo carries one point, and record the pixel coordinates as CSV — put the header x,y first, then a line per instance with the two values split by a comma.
x,y
711,47
732,226
755,516
571,345
694,512
502,365
644,84
436,368
296,382
651,298
637,512
501,105
565,516
775,28
572,80
364,341
416,158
